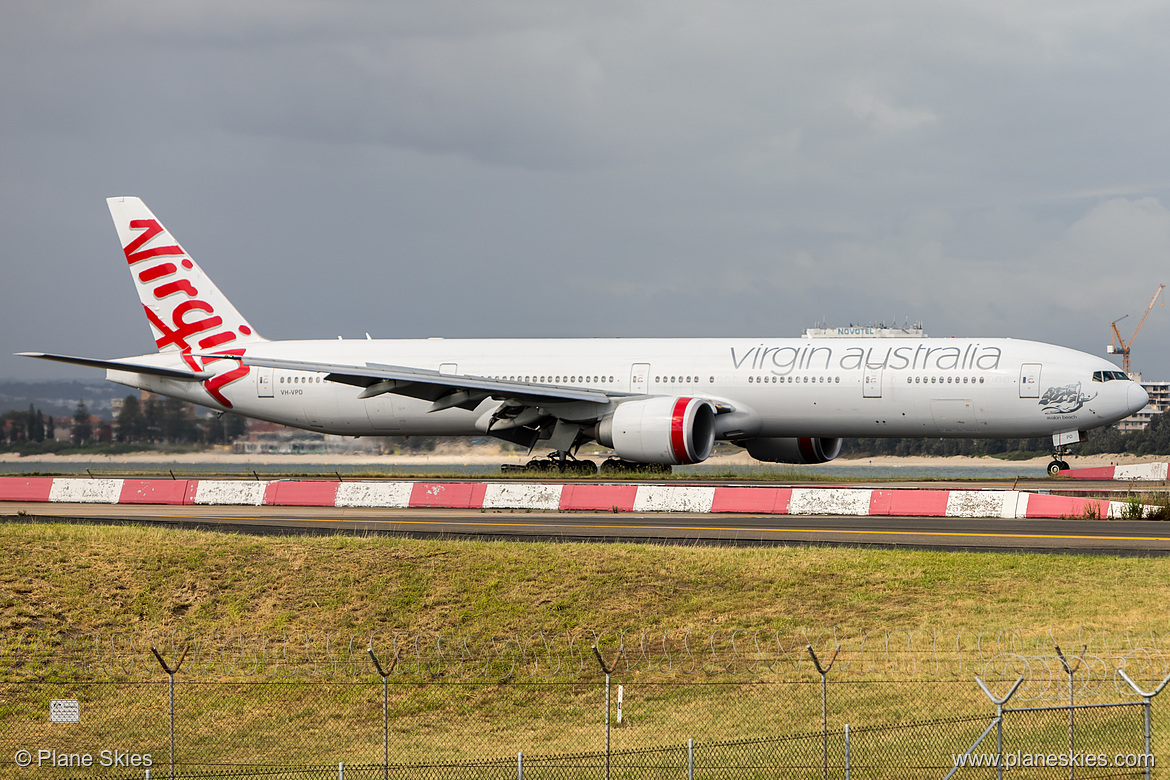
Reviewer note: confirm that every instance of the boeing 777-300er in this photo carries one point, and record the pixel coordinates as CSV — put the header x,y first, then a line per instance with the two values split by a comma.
x,y
654,402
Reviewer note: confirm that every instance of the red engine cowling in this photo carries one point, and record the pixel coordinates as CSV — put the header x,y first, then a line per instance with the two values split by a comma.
x,y
668,431
803,449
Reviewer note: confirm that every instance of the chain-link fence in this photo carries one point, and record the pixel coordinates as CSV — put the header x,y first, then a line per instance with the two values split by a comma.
x,y
557,655
1087,715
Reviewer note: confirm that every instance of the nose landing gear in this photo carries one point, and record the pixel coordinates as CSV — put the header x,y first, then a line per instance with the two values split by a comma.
x,y
1058,463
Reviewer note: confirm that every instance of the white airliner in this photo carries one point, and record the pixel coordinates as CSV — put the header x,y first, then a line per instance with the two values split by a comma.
x,y
655,402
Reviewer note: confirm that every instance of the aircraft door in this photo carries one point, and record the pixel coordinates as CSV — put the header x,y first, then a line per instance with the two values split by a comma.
x,y
871,383
640,378
263,382
1030,380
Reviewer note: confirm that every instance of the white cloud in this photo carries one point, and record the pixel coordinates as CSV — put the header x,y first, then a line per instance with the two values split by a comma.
x,y
882,114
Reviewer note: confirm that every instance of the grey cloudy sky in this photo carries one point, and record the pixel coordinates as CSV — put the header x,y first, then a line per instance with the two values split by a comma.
x,y
633,167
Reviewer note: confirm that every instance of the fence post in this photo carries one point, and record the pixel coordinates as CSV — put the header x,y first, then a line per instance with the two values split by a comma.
x,y
385,709
691,759
171,674
847,762
824,670
608,671
1147,698
998,724
1070,671
520,765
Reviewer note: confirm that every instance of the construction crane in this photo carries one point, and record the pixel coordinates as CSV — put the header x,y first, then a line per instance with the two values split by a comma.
x,y
1122,346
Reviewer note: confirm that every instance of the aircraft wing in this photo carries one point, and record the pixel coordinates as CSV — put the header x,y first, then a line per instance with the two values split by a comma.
x,y
122,365
445,391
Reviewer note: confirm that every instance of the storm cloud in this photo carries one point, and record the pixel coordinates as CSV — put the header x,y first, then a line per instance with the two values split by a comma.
x,y
591,168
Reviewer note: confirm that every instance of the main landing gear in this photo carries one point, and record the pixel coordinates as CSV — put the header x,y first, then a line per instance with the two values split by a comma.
x,y
565,463
556,462
619,466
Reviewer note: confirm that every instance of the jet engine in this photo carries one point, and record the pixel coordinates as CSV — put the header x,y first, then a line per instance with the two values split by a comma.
x,y
668,431
803,449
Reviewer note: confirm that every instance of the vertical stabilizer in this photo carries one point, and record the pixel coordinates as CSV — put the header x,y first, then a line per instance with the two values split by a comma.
x,y
186,311
185,308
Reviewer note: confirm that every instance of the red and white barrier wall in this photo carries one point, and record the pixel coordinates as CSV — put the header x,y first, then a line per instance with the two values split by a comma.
x,y
555,497
1142,472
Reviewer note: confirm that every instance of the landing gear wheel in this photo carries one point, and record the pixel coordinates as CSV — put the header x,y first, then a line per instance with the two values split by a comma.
x,y
611,466
617,465
561,463
1058,463
586,468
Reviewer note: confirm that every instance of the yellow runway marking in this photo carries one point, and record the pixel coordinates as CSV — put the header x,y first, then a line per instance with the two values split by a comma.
x,y
872,532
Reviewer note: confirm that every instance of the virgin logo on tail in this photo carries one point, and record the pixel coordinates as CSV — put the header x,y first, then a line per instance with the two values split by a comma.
x,y
190,316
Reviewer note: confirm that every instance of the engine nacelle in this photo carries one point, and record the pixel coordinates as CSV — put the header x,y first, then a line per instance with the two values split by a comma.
x,y
802,449
668,431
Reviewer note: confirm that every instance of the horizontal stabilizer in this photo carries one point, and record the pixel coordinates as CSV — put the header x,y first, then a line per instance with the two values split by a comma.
x,y
121,365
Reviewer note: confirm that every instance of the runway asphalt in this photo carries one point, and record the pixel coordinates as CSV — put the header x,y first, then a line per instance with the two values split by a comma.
x,y
1109,537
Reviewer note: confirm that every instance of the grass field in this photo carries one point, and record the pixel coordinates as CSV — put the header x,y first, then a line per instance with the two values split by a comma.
x,y
69,578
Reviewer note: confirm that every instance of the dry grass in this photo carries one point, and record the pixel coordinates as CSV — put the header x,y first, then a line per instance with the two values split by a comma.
x,y
70,578
66,578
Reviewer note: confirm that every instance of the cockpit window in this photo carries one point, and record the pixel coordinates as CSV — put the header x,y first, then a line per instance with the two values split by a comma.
x,y
1108,376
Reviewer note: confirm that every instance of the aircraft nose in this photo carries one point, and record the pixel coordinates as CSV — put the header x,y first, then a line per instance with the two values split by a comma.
x,y
1137,398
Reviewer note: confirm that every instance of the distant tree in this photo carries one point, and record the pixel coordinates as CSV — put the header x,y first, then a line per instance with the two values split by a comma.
x,y
12,425
82,429
130,425
223,428
237,426
151,423
50,429
39,427
1157,436
177,423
